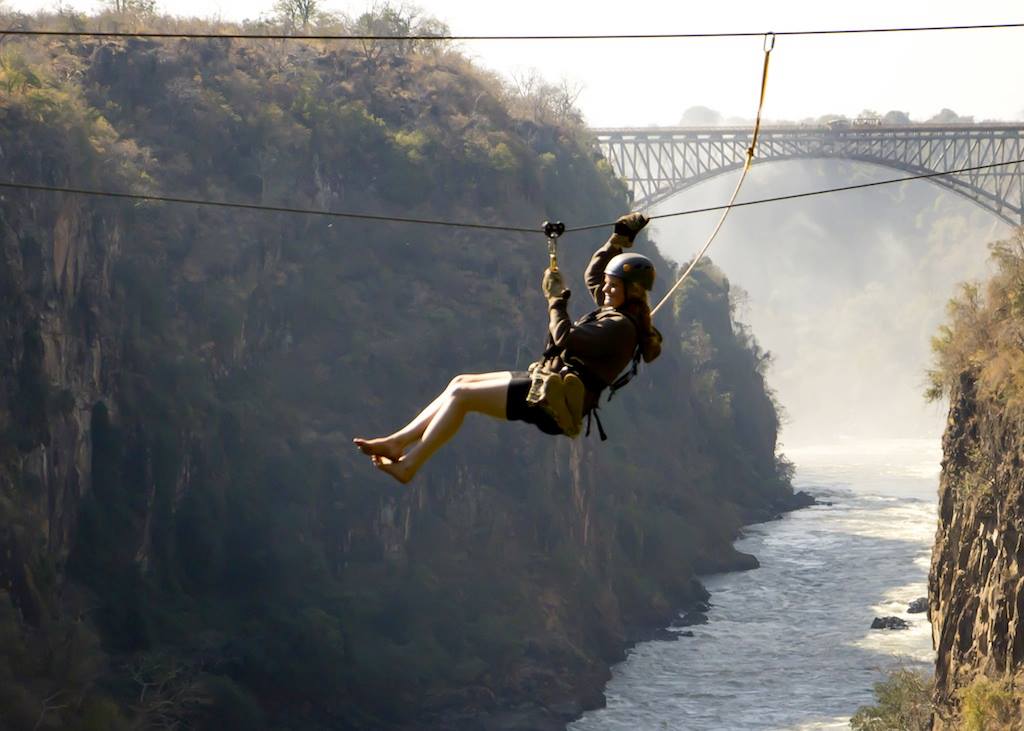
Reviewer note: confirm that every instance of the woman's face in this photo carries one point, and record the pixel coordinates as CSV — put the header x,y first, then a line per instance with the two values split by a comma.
x,y
614,290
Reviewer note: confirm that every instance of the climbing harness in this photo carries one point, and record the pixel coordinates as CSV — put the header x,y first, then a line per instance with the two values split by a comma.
x,y
594,384
562,393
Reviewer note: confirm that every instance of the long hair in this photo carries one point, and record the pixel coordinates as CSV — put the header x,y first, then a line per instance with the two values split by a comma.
x,y
639,309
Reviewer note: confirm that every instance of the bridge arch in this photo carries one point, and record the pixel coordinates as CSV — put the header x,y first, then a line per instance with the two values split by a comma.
x,y
657,163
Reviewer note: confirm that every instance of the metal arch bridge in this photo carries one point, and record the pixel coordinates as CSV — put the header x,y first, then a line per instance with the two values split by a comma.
x,y
657,162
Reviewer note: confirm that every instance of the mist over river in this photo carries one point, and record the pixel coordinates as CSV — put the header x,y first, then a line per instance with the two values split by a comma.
x,y
788,646
845,291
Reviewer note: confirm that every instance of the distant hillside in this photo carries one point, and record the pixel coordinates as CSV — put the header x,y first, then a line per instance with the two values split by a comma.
x,y
187,536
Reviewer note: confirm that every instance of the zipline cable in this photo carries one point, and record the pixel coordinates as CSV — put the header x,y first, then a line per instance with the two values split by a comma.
x,y
260,207
769,44
444,37
811,193
487,227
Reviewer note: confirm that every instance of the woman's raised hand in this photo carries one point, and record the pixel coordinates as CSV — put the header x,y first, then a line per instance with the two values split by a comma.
x,y
552,284
626,229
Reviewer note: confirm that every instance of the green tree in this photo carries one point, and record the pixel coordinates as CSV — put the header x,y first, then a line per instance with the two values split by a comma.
x,y
904,704
896,117
297,14
142,8
948,116
395,21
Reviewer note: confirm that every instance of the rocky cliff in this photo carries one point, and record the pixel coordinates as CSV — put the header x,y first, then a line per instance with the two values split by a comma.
x,y
976,588
187,535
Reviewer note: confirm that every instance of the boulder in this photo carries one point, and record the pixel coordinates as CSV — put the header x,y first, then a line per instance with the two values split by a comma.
x,y
889,623
918,605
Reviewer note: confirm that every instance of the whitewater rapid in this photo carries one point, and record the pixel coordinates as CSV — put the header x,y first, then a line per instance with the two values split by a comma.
x,y
788,646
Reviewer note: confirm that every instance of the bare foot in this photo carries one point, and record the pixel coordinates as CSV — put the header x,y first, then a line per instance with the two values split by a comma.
x,y
380,448
399,469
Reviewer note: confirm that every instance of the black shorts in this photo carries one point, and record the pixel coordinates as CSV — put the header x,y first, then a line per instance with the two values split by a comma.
x,y
517,408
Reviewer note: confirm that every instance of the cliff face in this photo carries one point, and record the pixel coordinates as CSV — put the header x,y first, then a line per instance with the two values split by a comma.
x,y
976,585
976,588
56,273
181,388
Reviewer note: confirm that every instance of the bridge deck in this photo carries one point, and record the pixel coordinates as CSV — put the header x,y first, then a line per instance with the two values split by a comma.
x,y
657,162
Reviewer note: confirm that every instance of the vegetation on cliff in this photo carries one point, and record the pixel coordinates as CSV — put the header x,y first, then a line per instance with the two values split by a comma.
x,y
904,704
975,591
985,331
188,535
991,705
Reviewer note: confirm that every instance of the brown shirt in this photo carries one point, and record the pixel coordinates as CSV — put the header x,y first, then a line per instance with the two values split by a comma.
x,y
604,344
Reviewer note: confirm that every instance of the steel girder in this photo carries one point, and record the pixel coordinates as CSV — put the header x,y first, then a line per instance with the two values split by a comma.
x,y
658,162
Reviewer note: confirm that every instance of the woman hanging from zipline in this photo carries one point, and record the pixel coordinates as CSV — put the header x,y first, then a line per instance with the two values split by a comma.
x,y
582,359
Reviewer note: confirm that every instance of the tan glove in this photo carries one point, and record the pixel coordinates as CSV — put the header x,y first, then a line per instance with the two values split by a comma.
x,y
626,229
552,284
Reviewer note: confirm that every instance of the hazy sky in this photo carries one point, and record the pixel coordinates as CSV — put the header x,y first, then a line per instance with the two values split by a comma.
x,y
975,73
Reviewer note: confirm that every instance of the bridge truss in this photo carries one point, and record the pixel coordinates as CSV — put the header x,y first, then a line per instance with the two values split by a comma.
x,y
659,162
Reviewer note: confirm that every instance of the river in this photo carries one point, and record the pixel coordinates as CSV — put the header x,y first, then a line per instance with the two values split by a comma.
x,y
788,646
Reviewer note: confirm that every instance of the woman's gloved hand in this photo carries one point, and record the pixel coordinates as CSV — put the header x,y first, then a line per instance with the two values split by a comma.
x,y
552,284
626,229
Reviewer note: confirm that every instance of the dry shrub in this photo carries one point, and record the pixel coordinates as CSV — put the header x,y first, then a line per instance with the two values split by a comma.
x,y
990,705
985,332
904,704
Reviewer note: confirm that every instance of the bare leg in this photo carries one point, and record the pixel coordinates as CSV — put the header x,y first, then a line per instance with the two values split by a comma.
x,y
393,446
483,395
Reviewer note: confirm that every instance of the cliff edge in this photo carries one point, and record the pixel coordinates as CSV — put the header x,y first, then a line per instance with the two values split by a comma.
x,y
976,585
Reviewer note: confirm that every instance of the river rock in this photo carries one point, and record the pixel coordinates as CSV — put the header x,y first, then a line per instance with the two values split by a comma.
x,y
889,623
918,605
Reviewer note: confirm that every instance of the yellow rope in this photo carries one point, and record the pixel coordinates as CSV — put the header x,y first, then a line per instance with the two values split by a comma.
x,y
769,44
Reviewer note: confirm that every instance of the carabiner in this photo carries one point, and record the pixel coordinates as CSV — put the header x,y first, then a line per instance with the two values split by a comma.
x,y
553,230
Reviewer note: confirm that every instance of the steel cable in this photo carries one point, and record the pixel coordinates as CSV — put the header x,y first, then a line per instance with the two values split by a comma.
x,y
445,37
470,225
